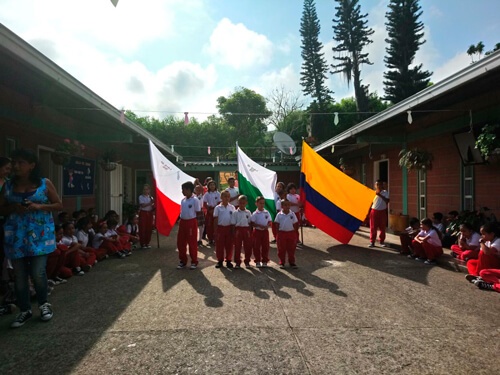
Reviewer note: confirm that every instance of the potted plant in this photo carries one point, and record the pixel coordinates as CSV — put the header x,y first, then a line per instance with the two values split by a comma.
x,y
108,160
64,151
488,142
345,167
415,158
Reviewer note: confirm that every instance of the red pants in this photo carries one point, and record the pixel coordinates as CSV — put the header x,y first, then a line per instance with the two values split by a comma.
x,y
378,220
209,224
405,239
464,254
187,236
224,243
274,229
287,241
484,261
491,276
111,247
261,245
100,253
91,256
55,261
124,242
145,226
74,259
426,250
242,238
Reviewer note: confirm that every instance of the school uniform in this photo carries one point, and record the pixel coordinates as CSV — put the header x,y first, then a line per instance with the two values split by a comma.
x,y
123,243
287,240
261,236
234,194
378,217
100,241
83,238
277,203
223,237
295,198
146,216
242,235
430,249
188,229
84,261
200,218
211,199
468,254
485,261
65,271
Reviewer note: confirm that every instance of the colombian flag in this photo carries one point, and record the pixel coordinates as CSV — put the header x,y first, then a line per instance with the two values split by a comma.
x,y
333,201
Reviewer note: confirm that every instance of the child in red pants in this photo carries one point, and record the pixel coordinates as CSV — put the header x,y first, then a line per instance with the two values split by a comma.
x,y
261,221
427,244
188,227
489,253
86,257
468,243
287,223
223,231
240,220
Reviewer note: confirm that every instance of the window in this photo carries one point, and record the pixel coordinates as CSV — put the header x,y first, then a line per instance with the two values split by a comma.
x,y
422,191
468,187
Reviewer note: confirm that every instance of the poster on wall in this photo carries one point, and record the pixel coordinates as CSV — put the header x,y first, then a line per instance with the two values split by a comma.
x,y
78,177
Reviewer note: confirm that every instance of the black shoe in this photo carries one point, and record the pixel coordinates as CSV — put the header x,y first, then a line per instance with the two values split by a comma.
x,y
200,243
219,265
453,254
484,285
273,241
294,266
229,265
21,318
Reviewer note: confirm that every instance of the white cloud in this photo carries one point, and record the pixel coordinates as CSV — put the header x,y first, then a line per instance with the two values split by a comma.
x,y
456,63
236,46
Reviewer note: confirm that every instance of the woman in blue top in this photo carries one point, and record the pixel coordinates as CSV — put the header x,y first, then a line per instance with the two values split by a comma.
x,y
27,203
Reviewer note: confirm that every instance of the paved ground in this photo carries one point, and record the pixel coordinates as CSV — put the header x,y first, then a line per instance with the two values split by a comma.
x,y
346,310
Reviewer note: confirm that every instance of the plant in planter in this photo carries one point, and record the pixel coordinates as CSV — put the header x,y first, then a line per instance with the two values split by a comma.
x,y
345,167
64,151
415,159
488,142
108,160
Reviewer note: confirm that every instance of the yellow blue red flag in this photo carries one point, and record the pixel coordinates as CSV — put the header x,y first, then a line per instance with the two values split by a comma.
x,y
333,201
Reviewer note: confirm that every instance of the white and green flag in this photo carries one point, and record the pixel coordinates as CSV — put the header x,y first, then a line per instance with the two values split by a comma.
x,y
255,180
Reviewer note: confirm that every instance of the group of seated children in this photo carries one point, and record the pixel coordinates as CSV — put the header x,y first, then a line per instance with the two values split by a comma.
x,y
480,251
81,244
233,229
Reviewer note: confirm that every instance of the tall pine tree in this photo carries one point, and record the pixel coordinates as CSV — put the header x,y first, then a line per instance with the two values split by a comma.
x,y
405,38
314,67
352,35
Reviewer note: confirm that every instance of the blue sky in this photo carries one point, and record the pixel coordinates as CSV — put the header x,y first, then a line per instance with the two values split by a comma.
x,y
163,57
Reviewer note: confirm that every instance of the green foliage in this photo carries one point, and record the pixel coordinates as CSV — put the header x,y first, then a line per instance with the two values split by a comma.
x,y
476,219
351,34
405,38
415,159
489,140
314,67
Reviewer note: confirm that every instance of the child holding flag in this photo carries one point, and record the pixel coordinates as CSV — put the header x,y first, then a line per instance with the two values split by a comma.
x,y
261,221
223,231
188,227
286,224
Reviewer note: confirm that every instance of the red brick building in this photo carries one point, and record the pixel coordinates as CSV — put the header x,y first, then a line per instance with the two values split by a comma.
x,y
445,120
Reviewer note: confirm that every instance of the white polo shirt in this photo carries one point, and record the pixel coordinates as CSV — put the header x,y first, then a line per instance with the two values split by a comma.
x,y
189,207
234,194
495,244
68,240
432,235
224,214
211,198
286,221
378,203
144,199
261,218
241,218
293,198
